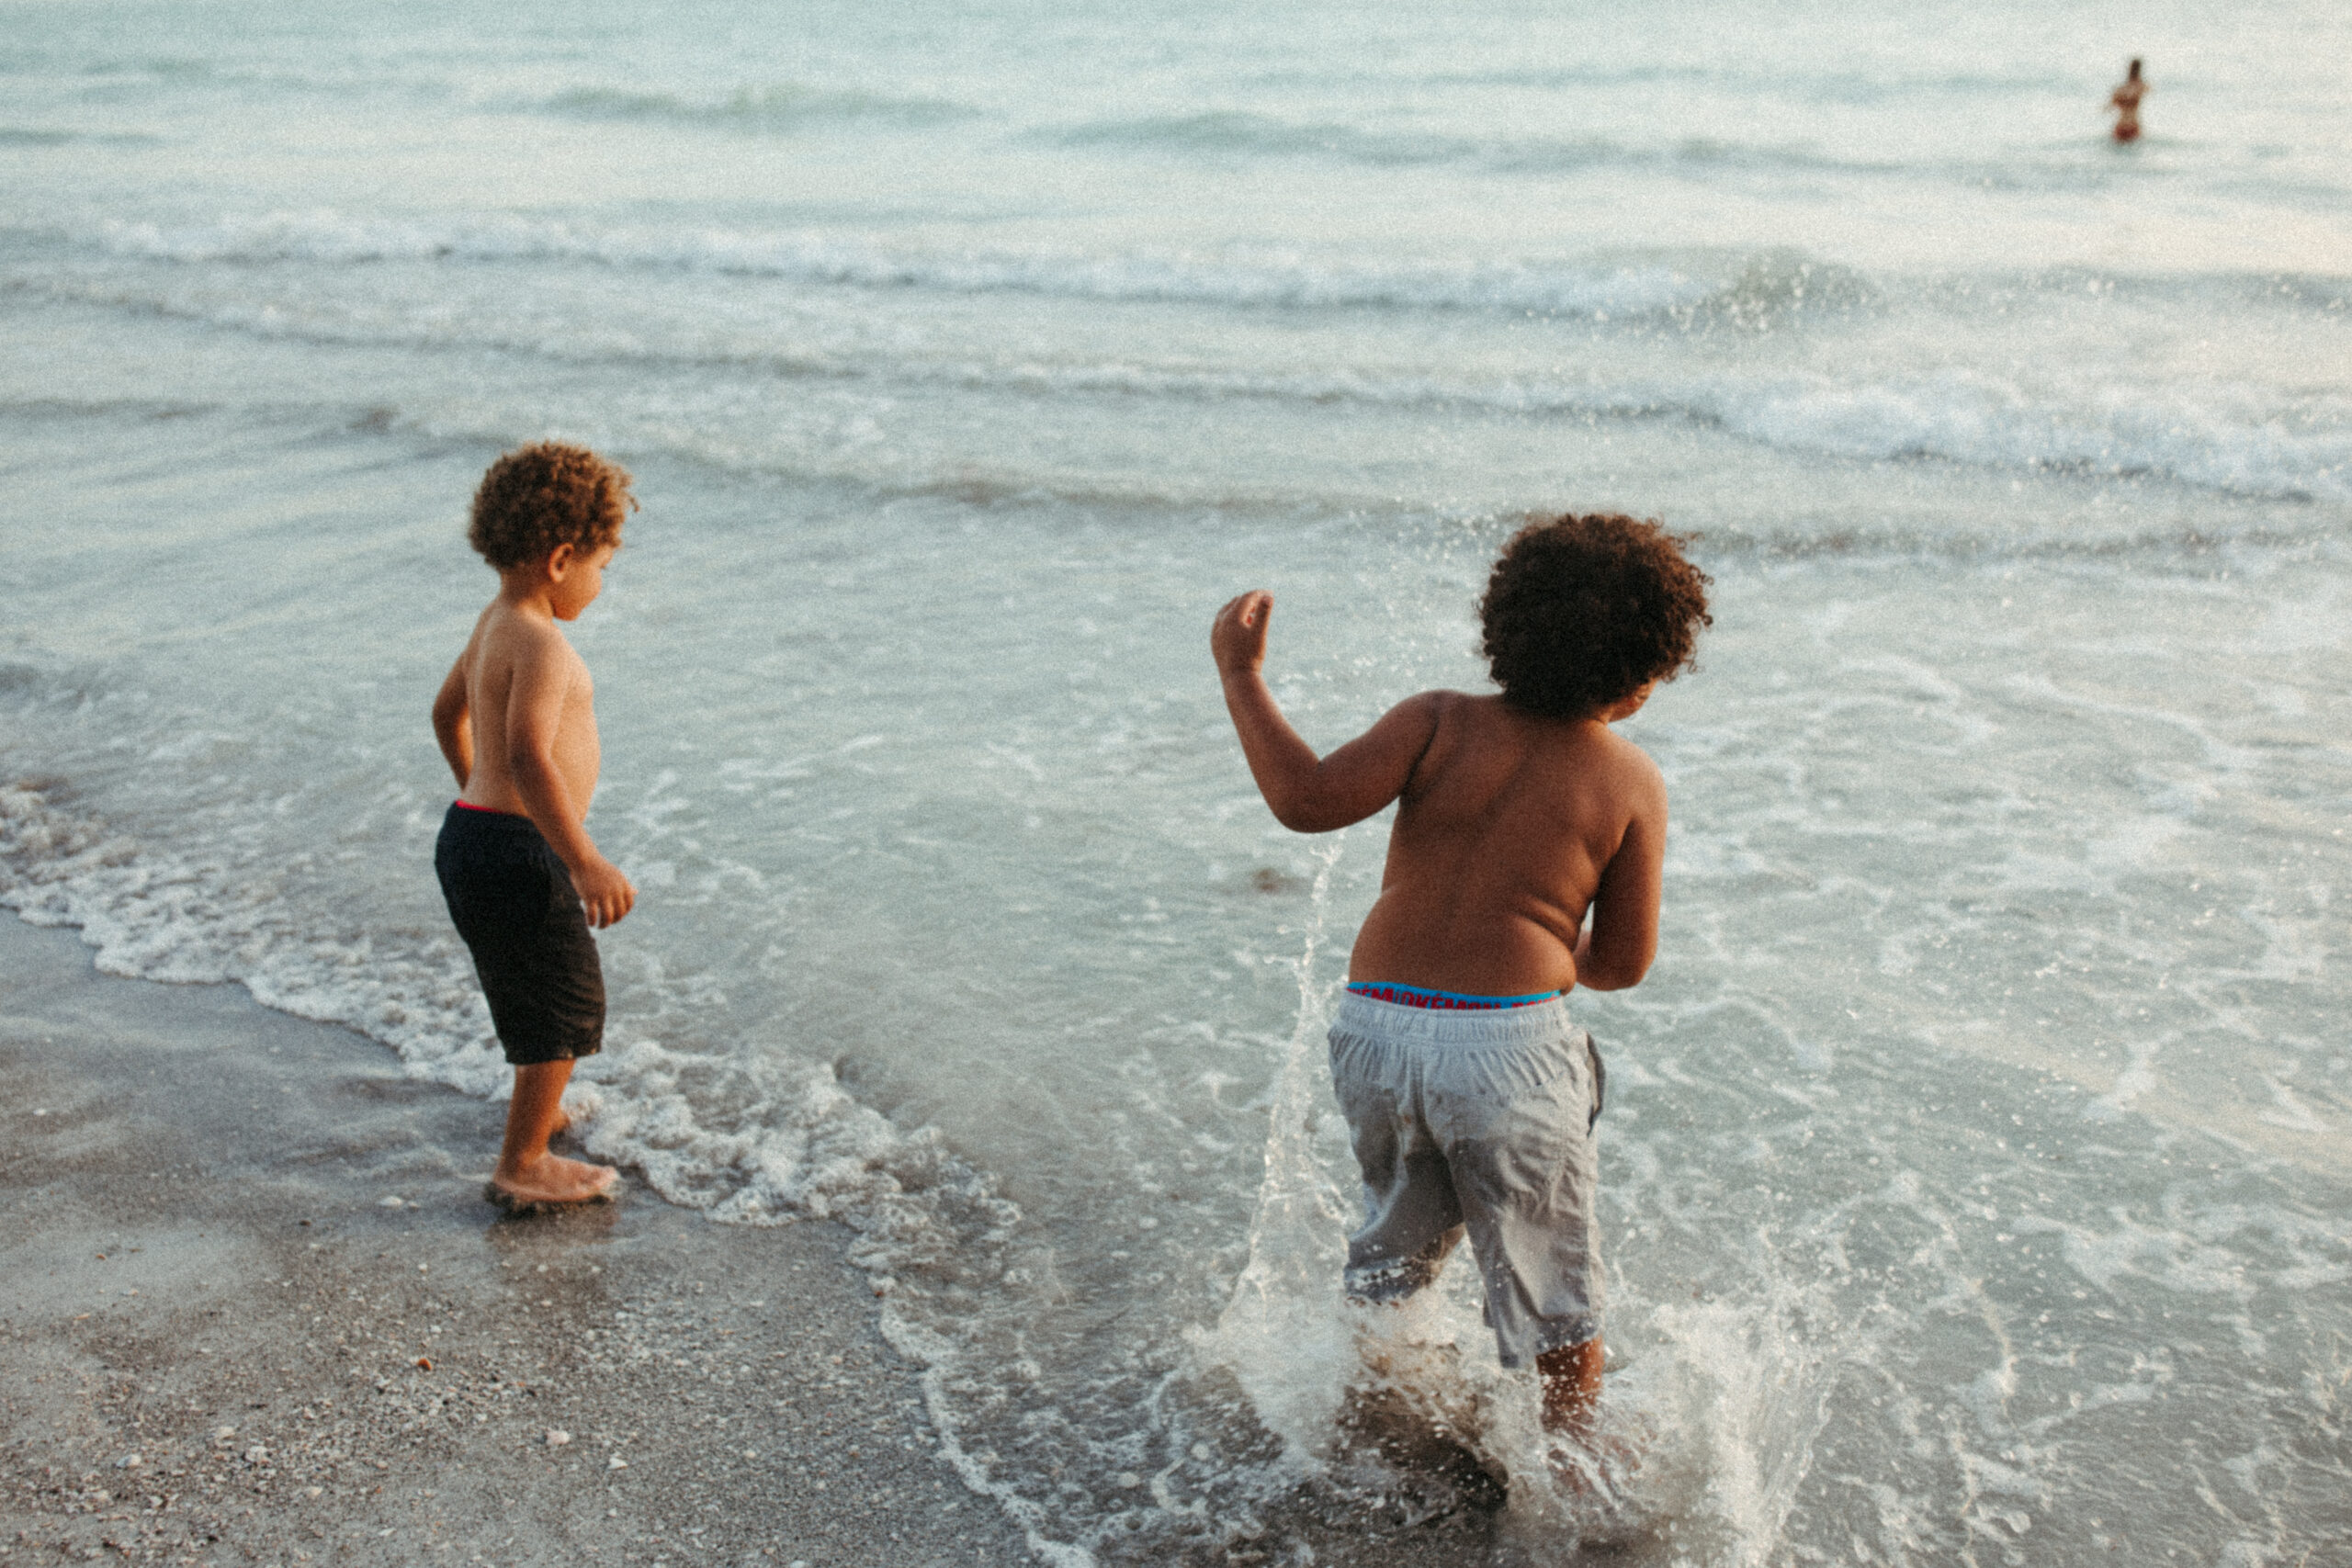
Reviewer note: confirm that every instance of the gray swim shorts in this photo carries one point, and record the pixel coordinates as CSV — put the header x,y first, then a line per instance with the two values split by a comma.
x,y
1476,1120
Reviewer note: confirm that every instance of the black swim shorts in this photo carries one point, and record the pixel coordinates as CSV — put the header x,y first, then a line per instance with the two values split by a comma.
x,y
513,903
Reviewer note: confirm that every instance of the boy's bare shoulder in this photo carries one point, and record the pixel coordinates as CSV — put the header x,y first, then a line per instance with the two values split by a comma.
x,y
1427,707
1477,741
520,642
1633,773
1576,748
1445,719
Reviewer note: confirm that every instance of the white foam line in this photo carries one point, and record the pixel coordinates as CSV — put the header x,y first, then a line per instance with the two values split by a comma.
x,y
937,1359
1277,277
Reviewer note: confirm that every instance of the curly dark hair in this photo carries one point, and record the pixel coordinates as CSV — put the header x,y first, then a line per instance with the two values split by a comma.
x,y
1582,612
546,494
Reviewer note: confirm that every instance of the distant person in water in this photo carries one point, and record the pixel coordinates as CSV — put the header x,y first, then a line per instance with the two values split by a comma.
x,y
1471,1097
517,718
2125,102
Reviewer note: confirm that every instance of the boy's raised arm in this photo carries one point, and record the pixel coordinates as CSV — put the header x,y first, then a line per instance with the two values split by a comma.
x,y
1310,794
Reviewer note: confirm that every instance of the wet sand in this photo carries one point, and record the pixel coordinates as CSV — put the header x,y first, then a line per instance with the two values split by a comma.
x,y
222,1341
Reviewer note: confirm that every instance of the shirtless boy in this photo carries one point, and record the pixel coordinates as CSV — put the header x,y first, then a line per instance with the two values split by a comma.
x,y
517,718
1469,1094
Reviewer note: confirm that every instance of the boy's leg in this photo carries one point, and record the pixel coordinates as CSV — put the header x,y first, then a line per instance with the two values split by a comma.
x,y
1517,1128
1571,1377
527,1172
1412,1221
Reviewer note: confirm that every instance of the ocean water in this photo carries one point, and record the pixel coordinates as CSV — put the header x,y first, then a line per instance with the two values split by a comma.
x,y
1976,1183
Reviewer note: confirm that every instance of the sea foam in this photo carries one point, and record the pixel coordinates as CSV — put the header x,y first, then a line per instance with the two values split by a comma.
x,y
2215,433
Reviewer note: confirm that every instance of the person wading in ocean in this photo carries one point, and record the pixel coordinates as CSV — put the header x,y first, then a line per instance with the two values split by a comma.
x,y
2125,102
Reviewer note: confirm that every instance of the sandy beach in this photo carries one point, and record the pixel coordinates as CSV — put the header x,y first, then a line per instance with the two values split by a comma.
x,y
255,1310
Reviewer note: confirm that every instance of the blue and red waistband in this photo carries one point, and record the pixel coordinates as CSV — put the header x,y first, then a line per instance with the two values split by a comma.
x,y
1448,1001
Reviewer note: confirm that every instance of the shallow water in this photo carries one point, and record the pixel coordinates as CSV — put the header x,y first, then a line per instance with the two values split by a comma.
x,y
1974,1174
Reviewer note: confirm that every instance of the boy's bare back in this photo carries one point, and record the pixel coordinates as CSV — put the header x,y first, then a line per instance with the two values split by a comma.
x,y
523,677
1511,826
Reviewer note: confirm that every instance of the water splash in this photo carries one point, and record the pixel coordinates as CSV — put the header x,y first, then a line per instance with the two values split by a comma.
x,y
1282,1334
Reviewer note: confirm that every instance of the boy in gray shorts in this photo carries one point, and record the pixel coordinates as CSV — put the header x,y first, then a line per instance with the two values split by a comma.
x,y
1470,1095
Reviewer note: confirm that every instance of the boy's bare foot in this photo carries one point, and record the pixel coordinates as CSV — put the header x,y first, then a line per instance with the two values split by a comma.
x,y
553,1182
528,1176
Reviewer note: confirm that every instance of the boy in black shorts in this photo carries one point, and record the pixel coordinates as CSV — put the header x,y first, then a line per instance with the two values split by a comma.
x,y
516,719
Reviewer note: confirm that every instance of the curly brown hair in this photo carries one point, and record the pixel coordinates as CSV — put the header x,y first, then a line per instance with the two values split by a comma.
x,y
1582,612
546,494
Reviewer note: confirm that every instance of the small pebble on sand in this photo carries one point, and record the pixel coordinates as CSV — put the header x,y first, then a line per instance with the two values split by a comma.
x,y
392,1202
617,1462
557,1437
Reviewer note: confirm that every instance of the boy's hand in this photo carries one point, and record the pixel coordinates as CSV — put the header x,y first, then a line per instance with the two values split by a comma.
x,y
1238,638
607,894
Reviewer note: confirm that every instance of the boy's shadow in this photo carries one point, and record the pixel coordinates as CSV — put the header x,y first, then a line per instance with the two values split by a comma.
x,y
1407,1464
1413,1454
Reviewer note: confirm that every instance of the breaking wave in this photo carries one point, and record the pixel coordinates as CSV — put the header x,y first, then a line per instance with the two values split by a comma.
x,y
776,106
1762,288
